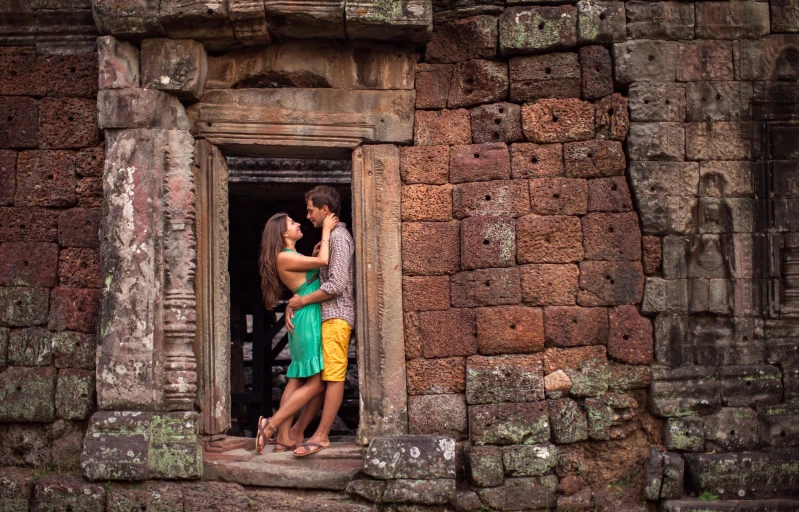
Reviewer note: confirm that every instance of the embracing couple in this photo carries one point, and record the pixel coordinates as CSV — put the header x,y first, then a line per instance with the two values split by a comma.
x,y
320,317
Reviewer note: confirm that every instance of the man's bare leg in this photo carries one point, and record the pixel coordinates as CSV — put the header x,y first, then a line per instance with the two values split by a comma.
x,y
308,414
284,436
334,395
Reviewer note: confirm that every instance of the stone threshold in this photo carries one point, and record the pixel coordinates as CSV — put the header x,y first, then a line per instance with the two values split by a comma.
x,y
695,505
330,469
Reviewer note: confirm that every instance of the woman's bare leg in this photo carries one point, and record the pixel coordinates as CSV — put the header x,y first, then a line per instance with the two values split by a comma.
x,y
297,432
283,434
296,401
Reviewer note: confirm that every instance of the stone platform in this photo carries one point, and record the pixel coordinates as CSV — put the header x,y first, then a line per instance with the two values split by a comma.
x,y
329,469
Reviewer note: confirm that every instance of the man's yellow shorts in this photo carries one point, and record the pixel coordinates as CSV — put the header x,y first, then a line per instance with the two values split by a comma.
x,y
335,343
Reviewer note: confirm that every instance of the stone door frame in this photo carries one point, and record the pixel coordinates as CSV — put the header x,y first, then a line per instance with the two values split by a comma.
x,y
376,190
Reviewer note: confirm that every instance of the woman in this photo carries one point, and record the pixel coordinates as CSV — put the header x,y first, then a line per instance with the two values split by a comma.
x,y
281,263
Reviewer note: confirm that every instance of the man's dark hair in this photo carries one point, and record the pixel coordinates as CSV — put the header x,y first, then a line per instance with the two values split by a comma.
x,y
325,195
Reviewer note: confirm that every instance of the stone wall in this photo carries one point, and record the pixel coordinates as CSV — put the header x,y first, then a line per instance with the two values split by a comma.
x,y
51,161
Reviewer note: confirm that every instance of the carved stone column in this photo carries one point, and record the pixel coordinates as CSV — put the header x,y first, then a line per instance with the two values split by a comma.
x,y
212,342
376,192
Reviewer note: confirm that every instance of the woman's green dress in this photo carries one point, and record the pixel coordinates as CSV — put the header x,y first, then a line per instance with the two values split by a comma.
x,y
306,342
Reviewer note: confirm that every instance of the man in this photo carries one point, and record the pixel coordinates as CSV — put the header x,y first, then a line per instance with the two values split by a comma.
x,y
337,295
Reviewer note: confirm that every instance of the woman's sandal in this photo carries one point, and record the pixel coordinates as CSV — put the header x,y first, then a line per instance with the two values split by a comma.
x,y
309,450
259,448
286,447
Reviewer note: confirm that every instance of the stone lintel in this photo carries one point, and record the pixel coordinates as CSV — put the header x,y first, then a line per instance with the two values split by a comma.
x,y
302,122
404,20
376,191
135,446
301,19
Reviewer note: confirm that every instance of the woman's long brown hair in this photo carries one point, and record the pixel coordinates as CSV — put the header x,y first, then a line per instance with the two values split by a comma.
x,y
272,244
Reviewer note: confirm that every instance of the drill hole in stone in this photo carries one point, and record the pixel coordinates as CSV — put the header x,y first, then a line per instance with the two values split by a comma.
x,y
590,154
610,112
646,102
50,176
748,383
625,337
12,73
18,303
19,388
613,187
501,110
540,26
718,97
84,396
548,71
513,326
554,118
651,58
495,135
10,118
602,16
486,242
556,195
498,121
487,284
611,229
477,155
209,12
488,197
25,263
534,159
72,69
668,102
70,118
732,432
574,320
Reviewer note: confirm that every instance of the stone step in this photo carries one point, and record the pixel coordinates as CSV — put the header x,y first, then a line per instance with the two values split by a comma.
x,y
329,469
695,505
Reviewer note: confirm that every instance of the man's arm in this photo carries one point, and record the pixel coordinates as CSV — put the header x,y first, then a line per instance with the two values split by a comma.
x,y
337,271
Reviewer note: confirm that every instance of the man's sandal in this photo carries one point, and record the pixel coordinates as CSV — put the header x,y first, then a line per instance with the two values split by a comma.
x,y
309,450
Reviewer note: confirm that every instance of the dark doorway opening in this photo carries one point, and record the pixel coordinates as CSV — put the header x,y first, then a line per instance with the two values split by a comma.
x,y
259,188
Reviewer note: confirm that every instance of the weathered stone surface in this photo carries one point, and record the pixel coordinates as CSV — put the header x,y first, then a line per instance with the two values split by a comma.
x,y
715,101
549,285
424,164
425,492
601,21
426,203
611,236
550,239
558,196
536,160
685,391
418,259
569,423
410,457
139,19
705,60
597,72
459,40
179,67
511,423
778,424
657,101
140,108
18,122
410,20
572,326
74,309
479,162
449,418
607,416
645,61
117,446
726,179
432,85
66,123
15,58
8,172
16,488
743,386
485,464
522,494
653,254
612,117
721,141
154,496
653,474
660,20
537,29
71,75
609,283
67,443
586,366
580,501
62,492
558,120
74,350
478,81
368,489
766,474
657,141
732,429
624,377
684,434
721,20
609,195
448,333
486,287
3,346
28,393
784,17
118,63
594,158
500,198
425,293
28,264
498,122
487,242
527,460
23,307
45,178
25,444
436,376
630,340
504,379
74,397
434,127
509,330
30,347
79,268
557,384
553,75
